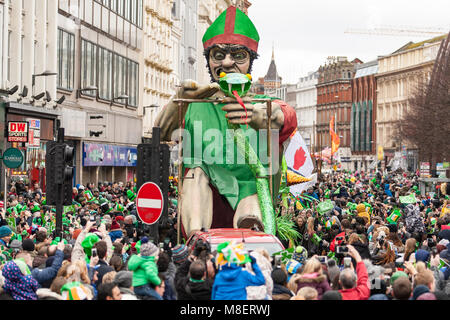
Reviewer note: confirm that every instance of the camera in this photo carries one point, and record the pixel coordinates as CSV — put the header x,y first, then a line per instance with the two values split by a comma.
x,y
94,252
341,249
92,218
322,259
277,261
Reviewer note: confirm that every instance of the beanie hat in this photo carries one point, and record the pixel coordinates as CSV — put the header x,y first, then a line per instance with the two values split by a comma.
x,y
300,254
232,27
28,245
75,291
115,225
427,296
15,244
397,275
5,231
419,290
88,242
422,255
148,249
360,208
179,253
124,279
119,218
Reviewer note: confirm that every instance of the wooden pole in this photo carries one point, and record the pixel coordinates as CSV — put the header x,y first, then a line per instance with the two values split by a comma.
x,y
180,168
269,146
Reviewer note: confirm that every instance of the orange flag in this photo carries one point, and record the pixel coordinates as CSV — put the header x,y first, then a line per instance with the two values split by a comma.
x,y
335,141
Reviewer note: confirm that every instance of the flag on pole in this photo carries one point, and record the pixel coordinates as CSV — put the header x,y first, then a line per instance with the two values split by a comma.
x,y
297,156
335,141
299,163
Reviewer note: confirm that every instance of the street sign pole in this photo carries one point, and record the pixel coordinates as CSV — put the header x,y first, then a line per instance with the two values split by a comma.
x,y
59,198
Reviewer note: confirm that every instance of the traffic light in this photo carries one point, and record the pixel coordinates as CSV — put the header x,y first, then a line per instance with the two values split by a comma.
x,y
59,171
69,171
51,191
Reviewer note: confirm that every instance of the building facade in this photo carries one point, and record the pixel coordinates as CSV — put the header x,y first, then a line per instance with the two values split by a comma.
x,y
363,129
101,72
398,76
158,59
306,104
272,80
28,81
334,98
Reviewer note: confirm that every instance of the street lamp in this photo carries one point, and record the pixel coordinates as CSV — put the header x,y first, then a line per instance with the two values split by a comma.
x,y
151,106
89,88
121,97
43,74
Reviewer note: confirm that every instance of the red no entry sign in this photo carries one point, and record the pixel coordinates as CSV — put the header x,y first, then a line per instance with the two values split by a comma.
x,y
149,202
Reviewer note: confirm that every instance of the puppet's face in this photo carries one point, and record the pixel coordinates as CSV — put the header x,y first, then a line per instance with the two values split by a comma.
x,y
229,59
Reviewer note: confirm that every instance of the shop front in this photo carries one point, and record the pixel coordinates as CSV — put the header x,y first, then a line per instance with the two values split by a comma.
x,y
41,129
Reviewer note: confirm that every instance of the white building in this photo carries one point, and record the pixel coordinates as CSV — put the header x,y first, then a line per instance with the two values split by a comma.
x,y
28,62
159,59
306,106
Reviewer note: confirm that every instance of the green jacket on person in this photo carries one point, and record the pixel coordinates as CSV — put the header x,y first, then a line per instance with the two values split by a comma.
x,y
145,270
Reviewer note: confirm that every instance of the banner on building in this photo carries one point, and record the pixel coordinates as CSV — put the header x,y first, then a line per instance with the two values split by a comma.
x,y
17,131
95,154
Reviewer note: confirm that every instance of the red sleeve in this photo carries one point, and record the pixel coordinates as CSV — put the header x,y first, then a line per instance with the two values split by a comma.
x,y
290,121
362,286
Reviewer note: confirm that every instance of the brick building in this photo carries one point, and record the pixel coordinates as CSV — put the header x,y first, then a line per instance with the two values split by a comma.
x,y
363,128
334,98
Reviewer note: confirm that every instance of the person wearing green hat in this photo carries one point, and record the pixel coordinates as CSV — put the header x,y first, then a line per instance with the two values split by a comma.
x,y
222,185
232,280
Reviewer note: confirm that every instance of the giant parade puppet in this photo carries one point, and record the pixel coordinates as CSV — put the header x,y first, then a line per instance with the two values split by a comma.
x,y
221,122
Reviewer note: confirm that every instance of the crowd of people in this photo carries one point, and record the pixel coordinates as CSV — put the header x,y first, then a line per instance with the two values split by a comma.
x,y
359,236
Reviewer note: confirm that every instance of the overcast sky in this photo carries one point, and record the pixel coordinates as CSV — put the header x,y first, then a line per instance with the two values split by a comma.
x,y
305,33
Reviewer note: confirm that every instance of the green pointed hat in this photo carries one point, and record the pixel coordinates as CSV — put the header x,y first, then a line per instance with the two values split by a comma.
x,y
232,27
131,196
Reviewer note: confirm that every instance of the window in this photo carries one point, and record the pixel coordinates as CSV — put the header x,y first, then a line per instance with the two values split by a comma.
x,y
88,65
66,59
105,74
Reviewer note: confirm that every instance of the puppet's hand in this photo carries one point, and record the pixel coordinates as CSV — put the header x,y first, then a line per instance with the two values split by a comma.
x,y
190,89
235,113
254,114
259,116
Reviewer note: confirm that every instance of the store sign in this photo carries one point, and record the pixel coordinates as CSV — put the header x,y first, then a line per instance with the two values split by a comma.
x,y
17,131
95,154
425,170
13,158
34,134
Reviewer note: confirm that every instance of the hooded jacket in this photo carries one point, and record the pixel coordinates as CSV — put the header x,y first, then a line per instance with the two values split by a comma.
x,y
280,292
314,280
19,286
45,276
144,269
231,282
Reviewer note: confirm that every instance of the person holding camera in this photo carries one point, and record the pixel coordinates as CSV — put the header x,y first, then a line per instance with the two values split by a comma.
x,y
354,285
232,279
